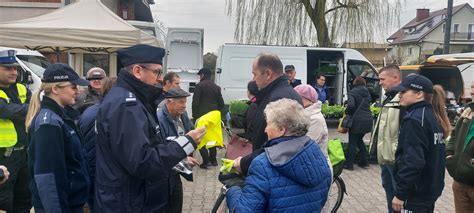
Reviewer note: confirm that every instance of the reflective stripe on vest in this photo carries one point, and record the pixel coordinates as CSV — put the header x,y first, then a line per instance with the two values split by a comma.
x,y
8,137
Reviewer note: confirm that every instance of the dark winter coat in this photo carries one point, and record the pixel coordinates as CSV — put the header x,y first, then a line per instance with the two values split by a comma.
x,y
134,161
419,159
59,177
86,126
362,119
207,97
292,175
461,163
274,91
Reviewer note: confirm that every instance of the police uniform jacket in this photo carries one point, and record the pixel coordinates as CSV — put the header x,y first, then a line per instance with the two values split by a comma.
x,y
133,160
56,162
419,159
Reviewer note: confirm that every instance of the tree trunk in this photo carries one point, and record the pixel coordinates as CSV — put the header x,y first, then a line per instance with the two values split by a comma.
x,y
318,18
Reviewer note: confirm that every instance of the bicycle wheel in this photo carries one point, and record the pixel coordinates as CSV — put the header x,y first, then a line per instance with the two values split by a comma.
x,y
336,193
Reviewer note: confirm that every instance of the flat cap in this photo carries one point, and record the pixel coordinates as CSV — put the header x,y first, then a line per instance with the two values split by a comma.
x,y
141,53
176,93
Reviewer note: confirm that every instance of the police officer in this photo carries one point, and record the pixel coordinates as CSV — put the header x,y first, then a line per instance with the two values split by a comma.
x,y
60,180
419,159
134,161
15,195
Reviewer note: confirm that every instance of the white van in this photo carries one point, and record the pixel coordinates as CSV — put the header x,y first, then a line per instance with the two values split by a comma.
x,y
339,65
32,66
184,56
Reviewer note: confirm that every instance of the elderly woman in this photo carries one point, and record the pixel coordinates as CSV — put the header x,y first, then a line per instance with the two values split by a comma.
x,y
292,175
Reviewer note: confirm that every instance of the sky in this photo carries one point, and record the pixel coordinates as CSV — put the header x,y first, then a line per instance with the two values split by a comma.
x,y
219,28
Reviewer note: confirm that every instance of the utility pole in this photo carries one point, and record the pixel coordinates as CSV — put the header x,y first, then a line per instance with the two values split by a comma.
x,y
447,29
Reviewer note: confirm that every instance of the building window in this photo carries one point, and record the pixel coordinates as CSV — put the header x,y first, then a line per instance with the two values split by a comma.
x,y
410,50
96,60
455,28
470,31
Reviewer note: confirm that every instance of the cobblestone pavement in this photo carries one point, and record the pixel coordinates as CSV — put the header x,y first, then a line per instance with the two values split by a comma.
x,y
364,189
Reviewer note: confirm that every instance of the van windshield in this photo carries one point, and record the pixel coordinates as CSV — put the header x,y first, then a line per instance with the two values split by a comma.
x,y
37,64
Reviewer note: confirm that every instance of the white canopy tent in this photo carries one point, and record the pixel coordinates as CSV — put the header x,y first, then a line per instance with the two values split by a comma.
x,y
86,26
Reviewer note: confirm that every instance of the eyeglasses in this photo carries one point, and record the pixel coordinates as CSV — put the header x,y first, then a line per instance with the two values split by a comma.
x,y
156,72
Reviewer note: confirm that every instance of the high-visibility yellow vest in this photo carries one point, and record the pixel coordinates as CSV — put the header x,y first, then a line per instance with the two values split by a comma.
x,y
8,137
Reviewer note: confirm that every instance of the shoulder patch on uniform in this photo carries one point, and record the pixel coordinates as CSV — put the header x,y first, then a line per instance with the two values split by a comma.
x,y
46,116
130,99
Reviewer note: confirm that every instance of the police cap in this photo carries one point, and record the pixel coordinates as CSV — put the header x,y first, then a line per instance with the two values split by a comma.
x,y
141,53
62,73
414,82
7,58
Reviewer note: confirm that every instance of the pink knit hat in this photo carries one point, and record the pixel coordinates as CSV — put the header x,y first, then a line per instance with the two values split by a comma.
x,y
308,92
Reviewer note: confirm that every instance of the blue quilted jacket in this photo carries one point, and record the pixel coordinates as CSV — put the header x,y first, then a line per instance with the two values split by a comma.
x,y
292,175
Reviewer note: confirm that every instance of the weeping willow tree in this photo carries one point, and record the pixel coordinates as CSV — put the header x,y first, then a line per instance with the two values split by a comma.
x,y
312,22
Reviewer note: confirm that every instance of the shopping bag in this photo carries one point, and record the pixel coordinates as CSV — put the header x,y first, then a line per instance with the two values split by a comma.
x,y
336,155
238,147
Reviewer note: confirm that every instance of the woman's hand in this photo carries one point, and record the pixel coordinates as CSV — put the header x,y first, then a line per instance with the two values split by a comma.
x,y
237,162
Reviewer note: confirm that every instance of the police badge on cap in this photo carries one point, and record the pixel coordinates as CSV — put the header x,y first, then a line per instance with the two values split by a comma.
x,y
7,58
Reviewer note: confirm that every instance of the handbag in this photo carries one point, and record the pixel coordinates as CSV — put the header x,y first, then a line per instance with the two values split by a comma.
x,y
238,147
341,129
347,120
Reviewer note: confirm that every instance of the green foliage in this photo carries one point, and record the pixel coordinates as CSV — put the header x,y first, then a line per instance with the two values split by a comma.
x,y
332,111
238,107
328,70
375,110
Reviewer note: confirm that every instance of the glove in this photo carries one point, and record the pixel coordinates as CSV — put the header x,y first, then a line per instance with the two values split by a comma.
x,y
227,166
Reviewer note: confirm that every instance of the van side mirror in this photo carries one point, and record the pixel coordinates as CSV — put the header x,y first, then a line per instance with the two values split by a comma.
x,y
27,79
219,70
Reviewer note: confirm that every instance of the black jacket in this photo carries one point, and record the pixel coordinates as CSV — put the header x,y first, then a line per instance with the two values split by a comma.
x,y
86,125
295,83
59,177
15,111
133,160
207,97
362,119
276,90
419,159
